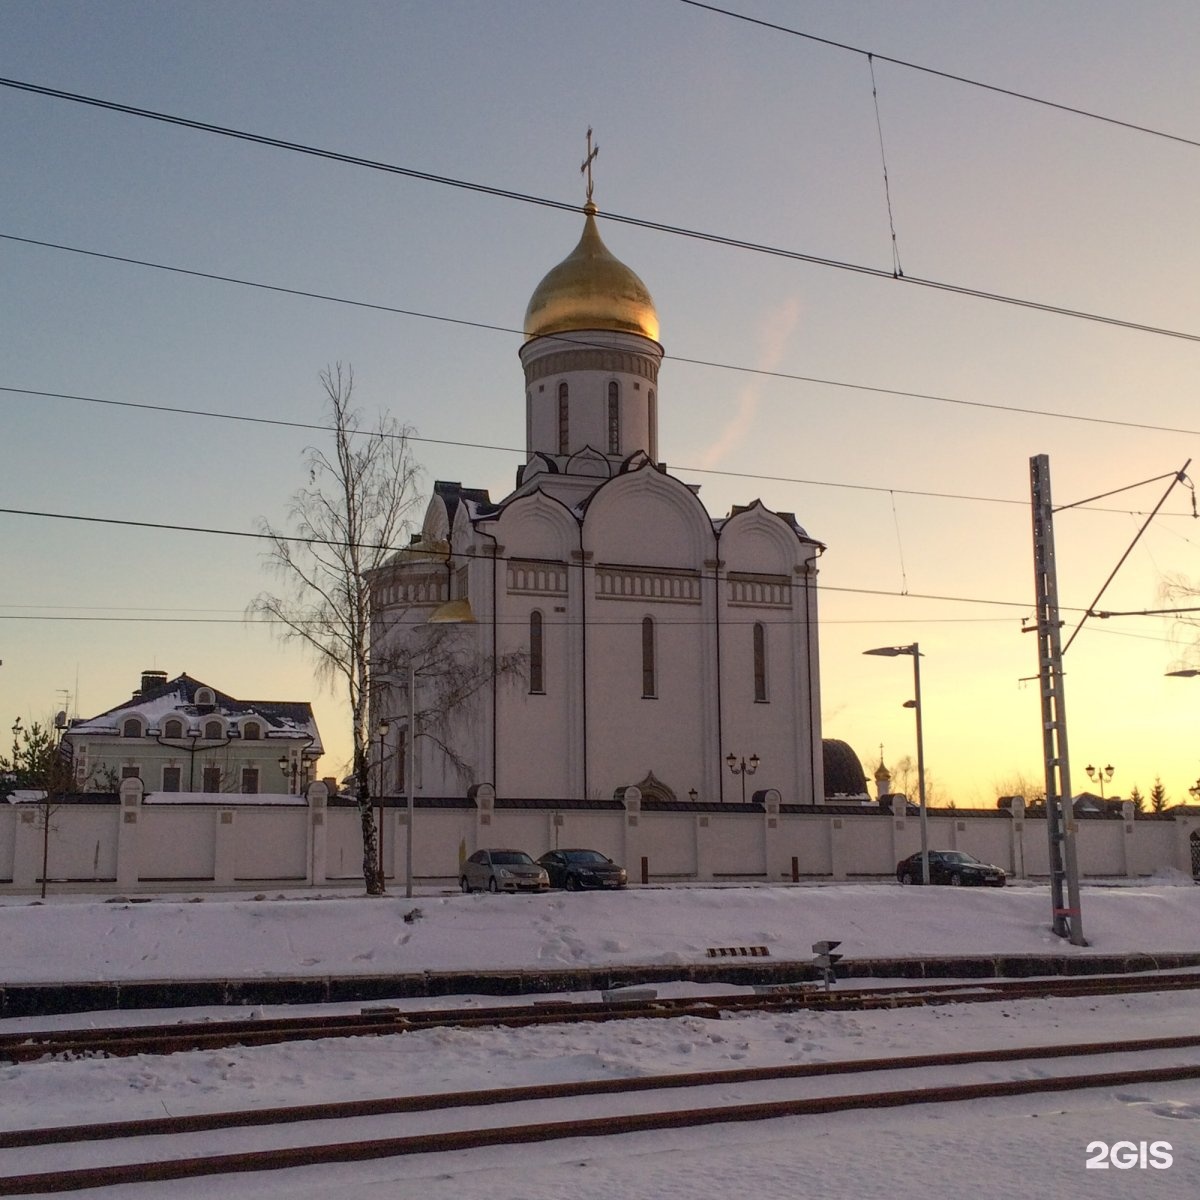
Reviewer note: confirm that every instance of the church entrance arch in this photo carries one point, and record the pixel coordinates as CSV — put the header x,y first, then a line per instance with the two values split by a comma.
x,y
654,789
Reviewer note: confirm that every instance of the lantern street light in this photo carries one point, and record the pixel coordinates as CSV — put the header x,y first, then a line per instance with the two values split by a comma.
x,y
1100,775
915,704
743,768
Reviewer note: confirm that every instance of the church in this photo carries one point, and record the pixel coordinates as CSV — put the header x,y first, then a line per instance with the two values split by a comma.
x,y
655,646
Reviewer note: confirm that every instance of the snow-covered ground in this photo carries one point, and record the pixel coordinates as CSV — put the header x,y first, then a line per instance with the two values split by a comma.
x,y
989,1149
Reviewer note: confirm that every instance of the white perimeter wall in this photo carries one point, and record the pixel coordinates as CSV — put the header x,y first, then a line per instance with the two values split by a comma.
x,y
148,846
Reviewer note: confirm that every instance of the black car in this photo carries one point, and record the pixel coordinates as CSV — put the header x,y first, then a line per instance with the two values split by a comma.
x,y
954,867
576,869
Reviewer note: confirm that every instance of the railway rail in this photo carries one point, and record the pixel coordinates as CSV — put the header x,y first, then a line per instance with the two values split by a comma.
x,y
102,1154
213,1034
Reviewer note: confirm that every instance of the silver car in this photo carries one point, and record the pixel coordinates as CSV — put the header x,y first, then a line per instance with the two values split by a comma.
x,y
503,871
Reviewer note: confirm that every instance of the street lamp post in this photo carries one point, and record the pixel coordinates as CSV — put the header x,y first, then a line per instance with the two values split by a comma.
x,y
915,651
743,768
289,766
1100,775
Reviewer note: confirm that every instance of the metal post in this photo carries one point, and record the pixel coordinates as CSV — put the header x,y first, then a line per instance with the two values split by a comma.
x,y
410,777
916,656
1060,817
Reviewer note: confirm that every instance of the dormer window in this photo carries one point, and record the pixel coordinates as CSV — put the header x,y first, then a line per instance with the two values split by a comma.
x,y
251,731
205,697
131,727
213,731
172,728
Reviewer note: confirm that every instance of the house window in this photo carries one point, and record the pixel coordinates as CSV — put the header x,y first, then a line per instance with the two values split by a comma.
x,y
172,779
614,418
563,422
649,688
760,663
537,658
172,729
212,731
249,781
131,728
251,731
205,696
131,772
211,781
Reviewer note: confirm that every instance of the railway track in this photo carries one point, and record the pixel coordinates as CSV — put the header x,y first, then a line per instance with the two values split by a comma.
x,y
171,1148
213,1034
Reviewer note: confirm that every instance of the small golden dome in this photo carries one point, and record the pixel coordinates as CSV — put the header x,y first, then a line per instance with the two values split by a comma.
x,y
590,289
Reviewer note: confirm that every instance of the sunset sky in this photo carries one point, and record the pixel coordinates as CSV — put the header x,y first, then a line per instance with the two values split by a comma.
x,y
895,418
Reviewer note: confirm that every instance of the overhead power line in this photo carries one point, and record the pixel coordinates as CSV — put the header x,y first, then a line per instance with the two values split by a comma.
x,y
412,437
1012,93
790,376
619,218
260,535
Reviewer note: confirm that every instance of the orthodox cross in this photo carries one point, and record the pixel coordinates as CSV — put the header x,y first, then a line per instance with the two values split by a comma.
x,y
586,168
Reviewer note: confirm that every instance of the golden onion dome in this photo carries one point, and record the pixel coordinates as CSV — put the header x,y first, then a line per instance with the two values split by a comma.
x,y
590,289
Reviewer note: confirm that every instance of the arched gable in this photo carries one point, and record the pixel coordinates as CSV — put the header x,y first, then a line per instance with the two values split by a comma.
x,y
646,517
757,539
538,464
436,525
589,462
536,526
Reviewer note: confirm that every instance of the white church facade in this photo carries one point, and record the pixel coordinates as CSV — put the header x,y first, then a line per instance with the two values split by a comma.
x,y
660,649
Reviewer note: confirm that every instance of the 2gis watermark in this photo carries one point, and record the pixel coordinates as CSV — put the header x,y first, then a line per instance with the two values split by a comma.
x,y
1126,1156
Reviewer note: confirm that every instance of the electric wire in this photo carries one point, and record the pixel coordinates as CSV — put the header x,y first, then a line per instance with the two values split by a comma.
x,y
948,75
735,243
264,536
760,477
1022,605
712,364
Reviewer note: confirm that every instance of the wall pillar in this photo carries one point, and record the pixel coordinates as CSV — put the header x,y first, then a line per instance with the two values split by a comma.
x,y
631,797
133,792
484,796
1017,836
318,832
706,858
777,863
1127,855
27,847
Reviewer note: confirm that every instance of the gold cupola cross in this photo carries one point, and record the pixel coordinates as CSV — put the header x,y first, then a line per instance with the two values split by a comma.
x,y
586,168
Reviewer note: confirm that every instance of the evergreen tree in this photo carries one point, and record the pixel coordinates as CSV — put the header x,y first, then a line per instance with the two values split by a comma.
x,y
1158,795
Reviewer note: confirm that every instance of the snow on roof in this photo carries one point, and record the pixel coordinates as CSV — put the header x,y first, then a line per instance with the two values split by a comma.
x,y
281,719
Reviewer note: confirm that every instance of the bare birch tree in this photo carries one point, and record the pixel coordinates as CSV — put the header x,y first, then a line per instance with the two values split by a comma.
x,y
347,520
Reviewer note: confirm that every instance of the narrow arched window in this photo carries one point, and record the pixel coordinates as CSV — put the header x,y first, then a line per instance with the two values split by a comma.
x,y
212,731
649,681
537,654
614,418
563,420
652,433
251,731
131,728
760,663
173,729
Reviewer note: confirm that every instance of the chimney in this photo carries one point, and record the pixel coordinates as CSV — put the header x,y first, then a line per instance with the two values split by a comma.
x,y
150,681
